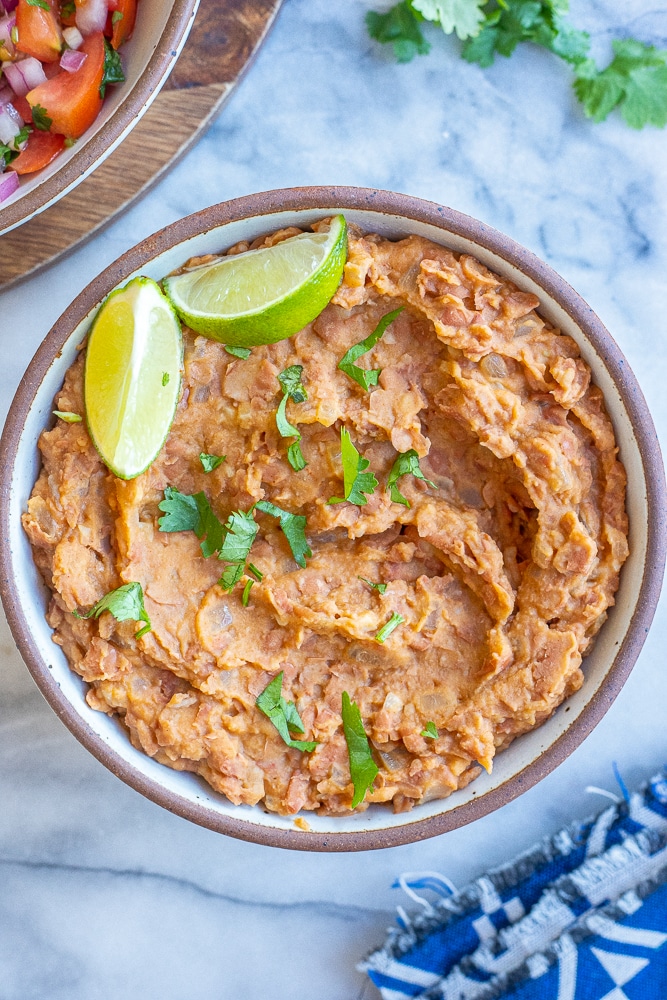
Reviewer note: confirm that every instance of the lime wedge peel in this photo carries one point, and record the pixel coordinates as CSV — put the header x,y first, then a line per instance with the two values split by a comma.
x,y
262,296
132,376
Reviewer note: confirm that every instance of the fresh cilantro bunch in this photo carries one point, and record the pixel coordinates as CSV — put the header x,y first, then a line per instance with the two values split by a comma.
x,y
635,82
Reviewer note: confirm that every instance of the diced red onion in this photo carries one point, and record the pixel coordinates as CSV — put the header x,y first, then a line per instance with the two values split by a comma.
x,y
6,95
10,5
16,79
91,16
72,61
32,71
73,37
7,25
11,123
9,182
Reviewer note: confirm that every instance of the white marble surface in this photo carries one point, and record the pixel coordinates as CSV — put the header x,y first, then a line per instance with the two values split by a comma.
x,y
105,895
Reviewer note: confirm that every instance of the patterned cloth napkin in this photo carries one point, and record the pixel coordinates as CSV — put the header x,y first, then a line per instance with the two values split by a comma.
x,y
580,916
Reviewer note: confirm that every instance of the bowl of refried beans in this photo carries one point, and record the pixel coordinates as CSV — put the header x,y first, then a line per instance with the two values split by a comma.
x,y
481,607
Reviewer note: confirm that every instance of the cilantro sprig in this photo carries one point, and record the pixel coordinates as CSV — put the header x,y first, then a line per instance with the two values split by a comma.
x,y
380,587
40,119
113,69
210,462
364,377
634,82
293,527
283,714
430,732
126,603
356,482
363,769
191,512
293,388
407,463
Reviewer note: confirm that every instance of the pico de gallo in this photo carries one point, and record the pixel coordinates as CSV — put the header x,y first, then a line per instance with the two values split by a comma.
x,y
57,58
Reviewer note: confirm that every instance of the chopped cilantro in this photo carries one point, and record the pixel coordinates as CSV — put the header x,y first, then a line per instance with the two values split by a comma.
x,y
635,81
406,463
113,69
6,155
389,627
231,576
69,142
518,21
290,380
380,587
126,603
67,416
165,378
245,597
293,527
68,9
356,482
22,136
399,26
191,513
238,352
117,16
363,376
259,576
363,769
211,462
429,732
283,714
40,119
465,17
241,533
38,3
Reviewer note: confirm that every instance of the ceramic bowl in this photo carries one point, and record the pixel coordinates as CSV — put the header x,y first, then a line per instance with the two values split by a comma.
x,y
530,757
159,34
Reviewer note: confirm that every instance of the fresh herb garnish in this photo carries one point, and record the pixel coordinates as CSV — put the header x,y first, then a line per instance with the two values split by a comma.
x,y
231,576
113,69
68,9
185,512
241,533
165,378
117,16
238,352
389,627
363,769
67,416
126,603
356,482
429,732
283,714
211,462
69,142
6,155
40,119
406,463
635,82
290,380
245,597
38,3
380,587
363,376
259,576
294,529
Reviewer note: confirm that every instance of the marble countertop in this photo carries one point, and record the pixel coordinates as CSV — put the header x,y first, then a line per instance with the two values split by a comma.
x,y
178,912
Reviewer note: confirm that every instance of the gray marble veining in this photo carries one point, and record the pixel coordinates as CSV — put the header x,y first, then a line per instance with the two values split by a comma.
x,y
102,893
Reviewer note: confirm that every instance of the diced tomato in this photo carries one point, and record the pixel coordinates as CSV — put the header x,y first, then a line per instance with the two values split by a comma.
x,y
72,100
40,149
39,33
123,26
23,109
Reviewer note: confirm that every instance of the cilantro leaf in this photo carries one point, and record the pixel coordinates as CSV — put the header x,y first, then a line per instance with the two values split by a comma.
x,y
363,769
67,416
113,69
126,603
117,16
283,714
231,576
399,27
380,587
356,482
40,119
238,352
293,527
290,380
185,512
68,9
363,376
406,463
462,16
38,3
430,732
259,576
389,627
517,21
635,81
241,533
245,597
210,462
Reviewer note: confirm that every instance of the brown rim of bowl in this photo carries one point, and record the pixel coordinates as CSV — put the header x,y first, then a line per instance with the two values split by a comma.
x,y
130,110
450,221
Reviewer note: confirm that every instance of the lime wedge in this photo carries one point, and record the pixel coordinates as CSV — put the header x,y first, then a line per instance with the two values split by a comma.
x,y
265,295
132,376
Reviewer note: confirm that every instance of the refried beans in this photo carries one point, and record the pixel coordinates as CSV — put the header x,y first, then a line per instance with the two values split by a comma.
x,y
503,572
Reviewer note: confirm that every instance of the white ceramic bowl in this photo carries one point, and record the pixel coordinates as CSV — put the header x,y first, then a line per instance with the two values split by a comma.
x,y
161,28
531,756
